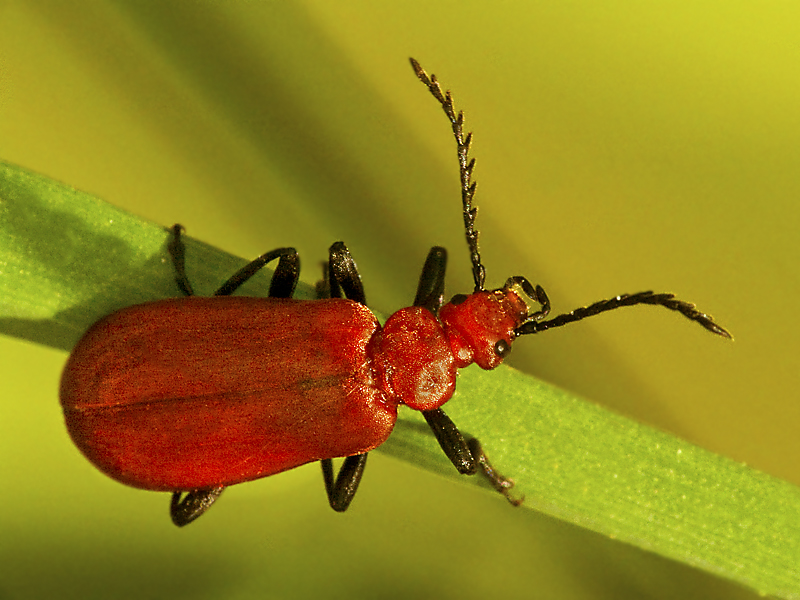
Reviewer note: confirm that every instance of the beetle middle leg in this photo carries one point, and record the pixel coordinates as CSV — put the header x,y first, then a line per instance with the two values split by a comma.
x,y
343,281
194,503
284,280
342,490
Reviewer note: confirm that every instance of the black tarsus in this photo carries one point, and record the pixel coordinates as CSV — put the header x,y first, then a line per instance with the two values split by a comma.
x,y
467,455
502,484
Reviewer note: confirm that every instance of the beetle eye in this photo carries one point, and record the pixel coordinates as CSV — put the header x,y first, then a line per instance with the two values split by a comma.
x,y
458,299
502,348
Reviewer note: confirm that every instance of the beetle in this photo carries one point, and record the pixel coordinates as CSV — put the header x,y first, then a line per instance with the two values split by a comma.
x,y
190,395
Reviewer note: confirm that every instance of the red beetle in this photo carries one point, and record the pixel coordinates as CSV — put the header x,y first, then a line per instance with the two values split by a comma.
x,y
191,395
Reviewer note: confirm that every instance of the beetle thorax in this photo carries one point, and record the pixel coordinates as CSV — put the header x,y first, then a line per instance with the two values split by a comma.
x,y
412,360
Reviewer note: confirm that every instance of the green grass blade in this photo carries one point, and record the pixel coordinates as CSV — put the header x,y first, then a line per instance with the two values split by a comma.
x,y
581,463
68,258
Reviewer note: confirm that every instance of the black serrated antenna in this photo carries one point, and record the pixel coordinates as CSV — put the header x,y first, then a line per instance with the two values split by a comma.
x,y
687,309
465,166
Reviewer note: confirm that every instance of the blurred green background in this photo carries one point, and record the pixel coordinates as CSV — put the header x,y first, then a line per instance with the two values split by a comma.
x,y
620,147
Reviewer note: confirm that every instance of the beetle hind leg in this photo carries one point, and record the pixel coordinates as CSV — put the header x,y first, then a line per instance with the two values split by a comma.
x,y
177,250
185,510
284,279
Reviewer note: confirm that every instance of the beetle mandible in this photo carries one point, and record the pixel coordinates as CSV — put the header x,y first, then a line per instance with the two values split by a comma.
x,y
190,395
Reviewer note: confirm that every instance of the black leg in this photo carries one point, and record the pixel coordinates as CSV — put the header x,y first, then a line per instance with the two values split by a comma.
x,y
430,292
343,278
284,279
342,491
452,442
500,483
194,503
342,281
178,253
466,455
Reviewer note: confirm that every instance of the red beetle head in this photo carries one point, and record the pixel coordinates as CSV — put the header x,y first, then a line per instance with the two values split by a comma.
x,y
482,326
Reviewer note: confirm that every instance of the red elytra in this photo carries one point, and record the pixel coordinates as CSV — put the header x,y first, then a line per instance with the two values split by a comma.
x,y
191,395
196,392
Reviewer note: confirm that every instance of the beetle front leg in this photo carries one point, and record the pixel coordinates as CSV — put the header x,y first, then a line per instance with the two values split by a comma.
x,y
500,483
466,456
194,503
430,291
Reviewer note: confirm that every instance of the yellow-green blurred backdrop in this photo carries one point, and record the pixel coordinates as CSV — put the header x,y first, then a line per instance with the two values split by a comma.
x,y
621,146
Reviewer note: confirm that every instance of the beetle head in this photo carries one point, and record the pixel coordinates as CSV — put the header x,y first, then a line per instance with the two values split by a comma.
x,y
482,326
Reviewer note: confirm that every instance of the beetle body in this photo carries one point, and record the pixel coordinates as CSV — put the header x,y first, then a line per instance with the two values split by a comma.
x,y
189,393
192,395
